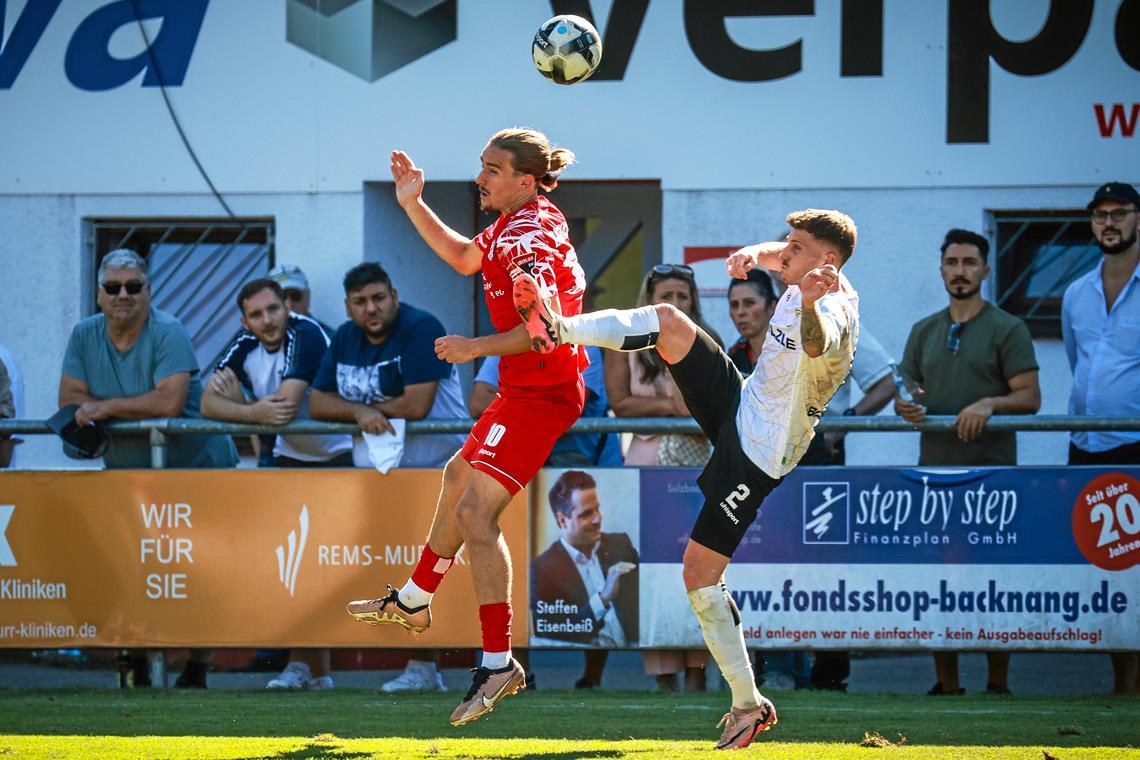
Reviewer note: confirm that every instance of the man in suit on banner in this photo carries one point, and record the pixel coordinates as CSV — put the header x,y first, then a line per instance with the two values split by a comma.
x,y
584,587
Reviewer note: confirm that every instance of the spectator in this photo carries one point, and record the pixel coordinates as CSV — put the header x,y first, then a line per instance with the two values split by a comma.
x,y
590,573
751,304
263,379
273,361
639,385
382,364
135,362
7,412
1100,323
298,297
971,360
16,387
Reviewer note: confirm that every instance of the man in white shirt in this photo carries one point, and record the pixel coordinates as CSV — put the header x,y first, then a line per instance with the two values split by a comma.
x,y
1100,322
761,426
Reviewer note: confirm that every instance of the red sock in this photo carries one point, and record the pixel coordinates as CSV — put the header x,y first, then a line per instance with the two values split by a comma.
x,y
495,619
430,569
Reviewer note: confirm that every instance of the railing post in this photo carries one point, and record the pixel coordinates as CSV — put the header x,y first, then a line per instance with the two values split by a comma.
x,y
157,449
157,657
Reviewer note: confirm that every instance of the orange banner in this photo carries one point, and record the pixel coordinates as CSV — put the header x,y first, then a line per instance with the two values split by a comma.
x,y
236,558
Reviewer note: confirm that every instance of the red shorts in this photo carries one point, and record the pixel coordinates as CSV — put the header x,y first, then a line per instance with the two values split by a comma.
x,y
513,438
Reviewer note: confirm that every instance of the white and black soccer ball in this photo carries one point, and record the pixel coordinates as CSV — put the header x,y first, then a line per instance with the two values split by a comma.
x,y
567,49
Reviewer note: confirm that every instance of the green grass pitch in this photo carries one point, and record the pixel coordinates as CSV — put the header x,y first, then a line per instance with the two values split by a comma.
x,y
553,725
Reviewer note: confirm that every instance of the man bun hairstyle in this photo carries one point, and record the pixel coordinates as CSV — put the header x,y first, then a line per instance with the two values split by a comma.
x,y
532,153
958,236
827,225
562,492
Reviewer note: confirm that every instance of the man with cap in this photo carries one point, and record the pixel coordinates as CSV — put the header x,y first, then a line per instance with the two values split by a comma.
x,y
1100,324
297,294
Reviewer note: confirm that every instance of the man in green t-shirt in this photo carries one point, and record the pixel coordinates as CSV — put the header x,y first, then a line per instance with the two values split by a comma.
x,y
972,360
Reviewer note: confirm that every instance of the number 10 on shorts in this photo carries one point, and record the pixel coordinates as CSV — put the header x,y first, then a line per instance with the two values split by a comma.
x,y
494,435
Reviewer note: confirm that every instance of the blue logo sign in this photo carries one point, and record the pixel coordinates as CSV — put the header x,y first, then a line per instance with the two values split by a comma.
x,y
88,62
827,513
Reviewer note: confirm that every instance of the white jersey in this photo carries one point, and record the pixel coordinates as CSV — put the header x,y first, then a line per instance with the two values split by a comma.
x,y
788,391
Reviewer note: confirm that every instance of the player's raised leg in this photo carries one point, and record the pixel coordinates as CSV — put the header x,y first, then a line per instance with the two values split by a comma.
x,y
409,606
499,674
660,326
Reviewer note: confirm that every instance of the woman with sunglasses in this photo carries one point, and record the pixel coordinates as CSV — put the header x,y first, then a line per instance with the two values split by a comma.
x,y
638,385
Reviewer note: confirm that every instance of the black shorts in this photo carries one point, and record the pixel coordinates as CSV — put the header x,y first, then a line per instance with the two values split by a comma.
x,y
732,485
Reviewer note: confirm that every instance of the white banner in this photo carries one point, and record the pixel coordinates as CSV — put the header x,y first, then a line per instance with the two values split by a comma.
x,y
311,95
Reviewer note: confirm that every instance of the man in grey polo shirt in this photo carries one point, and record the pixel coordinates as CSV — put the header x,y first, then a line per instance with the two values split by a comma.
x,y
134,362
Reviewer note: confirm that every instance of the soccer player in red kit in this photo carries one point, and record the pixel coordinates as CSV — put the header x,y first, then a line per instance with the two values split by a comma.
x,y
540,395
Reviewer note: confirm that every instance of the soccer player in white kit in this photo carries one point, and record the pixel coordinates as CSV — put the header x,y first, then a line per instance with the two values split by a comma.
x,y
760,426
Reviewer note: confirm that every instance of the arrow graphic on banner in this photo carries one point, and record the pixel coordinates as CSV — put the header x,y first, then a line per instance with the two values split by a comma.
x,y
289,562
7,558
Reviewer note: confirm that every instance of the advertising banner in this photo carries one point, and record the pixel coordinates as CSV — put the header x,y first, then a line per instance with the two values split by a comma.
x,y
225,558
585,541
950,93
1004,558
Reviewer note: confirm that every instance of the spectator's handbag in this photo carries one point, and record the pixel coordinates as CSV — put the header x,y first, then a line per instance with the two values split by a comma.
x,y
683,451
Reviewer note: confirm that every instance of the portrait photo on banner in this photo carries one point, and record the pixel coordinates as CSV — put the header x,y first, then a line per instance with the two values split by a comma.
x,y
585,538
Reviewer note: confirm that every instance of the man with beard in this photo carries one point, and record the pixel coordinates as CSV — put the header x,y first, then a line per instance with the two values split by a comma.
x,y
1100,322
972,360
382,363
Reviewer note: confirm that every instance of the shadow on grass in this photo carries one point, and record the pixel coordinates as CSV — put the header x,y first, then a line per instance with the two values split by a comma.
x,y
312,750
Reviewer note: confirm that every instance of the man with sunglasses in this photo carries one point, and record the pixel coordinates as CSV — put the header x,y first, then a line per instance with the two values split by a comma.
x,y
1100,324
134,362
972,360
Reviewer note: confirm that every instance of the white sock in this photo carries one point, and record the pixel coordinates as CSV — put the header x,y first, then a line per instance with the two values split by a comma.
x,y
622,330
720,623
413,596
496,660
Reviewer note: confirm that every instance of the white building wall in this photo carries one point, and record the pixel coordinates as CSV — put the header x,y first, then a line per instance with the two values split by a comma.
x,y
895,270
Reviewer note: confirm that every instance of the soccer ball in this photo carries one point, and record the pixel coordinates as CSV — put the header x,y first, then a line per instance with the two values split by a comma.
x,y
566,49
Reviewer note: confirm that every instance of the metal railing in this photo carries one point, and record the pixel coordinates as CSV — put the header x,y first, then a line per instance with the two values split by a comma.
x,y
159,430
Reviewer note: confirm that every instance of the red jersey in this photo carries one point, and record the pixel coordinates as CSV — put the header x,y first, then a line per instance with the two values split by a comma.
x,y
534,237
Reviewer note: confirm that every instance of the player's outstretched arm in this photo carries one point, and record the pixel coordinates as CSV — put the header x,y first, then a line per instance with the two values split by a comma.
x,y
759,256
458,349
459,252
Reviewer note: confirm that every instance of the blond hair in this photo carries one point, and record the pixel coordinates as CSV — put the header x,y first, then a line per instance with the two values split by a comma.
x,y
532,153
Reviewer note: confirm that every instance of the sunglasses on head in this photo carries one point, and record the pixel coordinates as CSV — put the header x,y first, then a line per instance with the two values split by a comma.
x,y
134,287
668,269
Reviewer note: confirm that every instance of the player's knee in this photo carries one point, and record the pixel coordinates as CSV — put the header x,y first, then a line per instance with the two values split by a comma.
x,y
670,317
455,472
474,519
696,572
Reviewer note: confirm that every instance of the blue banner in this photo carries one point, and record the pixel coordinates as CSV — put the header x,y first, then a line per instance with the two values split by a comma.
x,y
854,515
